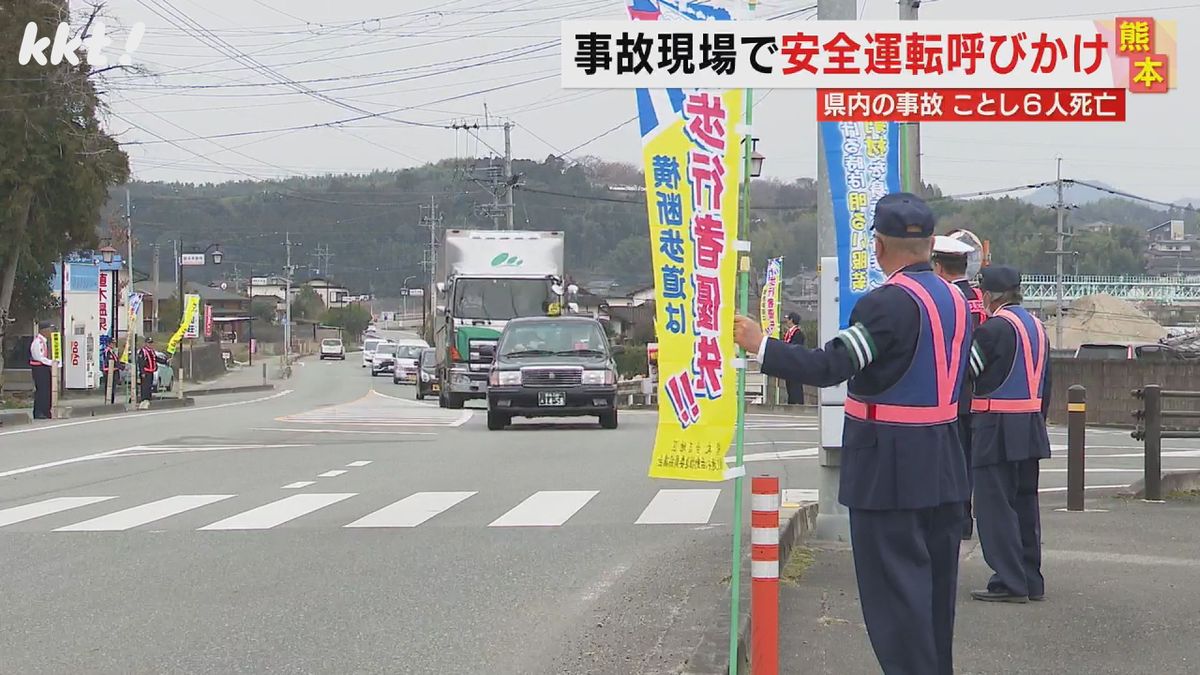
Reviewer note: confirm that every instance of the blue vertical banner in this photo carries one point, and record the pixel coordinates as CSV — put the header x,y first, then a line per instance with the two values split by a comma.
x,y
864,165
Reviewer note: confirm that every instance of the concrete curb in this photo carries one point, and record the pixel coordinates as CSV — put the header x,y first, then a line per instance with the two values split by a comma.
x,y
91,410
1175,481
170,403
13,419
243,389
712,656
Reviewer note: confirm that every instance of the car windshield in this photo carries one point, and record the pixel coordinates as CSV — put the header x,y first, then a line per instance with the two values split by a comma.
x,y
428,358
408,351
386,350
1103,352
502,299
554,337
331,343
370,345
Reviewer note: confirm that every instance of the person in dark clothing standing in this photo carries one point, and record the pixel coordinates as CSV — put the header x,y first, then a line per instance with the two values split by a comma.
x,y
1010,362
147,366
950,263
903,476
794,336
42,366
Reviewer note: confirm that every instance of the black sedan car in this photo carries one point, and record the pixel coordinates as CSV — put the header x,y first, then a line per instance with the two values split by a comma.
x,y
552,367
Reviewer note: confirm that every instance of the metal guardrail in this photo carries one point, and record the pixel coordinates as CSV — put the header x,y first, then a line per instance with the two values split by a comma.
x,y
632,391
1150,430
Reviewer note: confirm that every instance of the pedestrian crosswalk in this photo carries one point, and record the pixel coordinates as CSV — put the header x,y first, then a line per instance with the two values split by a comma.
x,y
766,421
216,512
381,411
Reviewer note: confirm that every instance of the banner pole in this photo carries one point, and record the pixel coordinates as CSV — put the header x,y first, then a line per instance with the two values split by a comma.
x,y
739,432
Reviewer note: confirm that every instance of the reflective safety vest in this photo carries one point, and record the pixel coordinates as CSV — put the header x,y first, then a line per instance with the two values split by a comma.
x,y
149,360
1022,389
787,336
928,391
975,304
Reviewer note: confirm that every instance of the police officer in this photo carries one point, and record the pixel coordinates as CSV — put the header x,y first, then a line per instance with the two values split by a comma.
x,y
148,362
794,336
950,263
1011,367
41,366
903,475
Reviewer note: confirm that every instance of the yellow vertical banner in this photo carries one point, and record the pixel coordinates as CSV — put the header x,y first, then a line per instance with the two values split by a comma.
x,y
693,162
56,346
185,322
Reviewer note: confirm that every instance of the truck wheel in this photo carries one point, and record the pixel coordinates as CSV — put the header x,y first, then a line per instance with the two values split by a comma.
x,y
608,420
497,421
454,401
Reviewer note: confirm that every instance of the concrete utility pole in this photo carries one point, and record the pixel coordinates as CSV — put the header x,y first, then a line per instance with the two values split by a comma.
x,y
497,186
833,519
911,131
132,330
432,220
1059,252
154,310
287,300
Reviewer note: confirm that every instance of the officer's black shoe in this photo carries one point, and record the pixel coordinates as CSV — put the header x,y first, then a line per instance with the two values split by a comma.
x,y
1037,598
999,596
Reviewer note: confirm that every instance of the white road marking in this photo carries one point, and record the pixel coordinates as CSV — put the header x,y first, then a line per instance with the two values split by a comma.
x,y
798,496
678,507
18,514
547,508
412,510
278,512
798,453
346,431
299,484
71,460
331,474
1140,455
140,414
361,462
1086,487
145,513
463,418
1097,470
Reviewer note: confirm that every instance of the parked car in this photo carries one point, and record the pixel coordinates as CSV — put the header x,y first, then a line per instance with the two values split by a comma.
x,y
552,367
164,374
383,359
427,381
406,362
332,348
1149,351
369,345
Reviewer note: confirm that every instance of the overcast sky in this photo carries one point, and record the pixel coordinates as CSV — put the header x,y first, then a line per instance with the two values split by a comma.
x,y
429,62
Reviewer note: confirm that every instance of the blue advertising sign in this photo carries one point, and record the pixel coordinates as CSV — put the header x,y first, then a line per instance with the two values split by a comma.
x,y
864,165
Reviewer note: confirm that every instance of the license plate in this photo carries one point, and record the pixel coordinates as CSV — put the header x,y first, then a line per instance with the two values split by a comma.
x,y
435,386
552,398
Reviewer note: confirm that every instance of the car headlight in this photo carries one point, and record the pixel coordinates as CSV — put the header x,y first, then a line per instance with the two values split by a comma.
x,y
460,378
599,377
425,377
504,378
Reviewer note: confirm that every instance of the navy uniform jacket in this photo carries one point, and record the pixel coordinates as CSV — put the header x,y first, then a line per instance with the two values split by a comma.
x,y
883,466
1005,437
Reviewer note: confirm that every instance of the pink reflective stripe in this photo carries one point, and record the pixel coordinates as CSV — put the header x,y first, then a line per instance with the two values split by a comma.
x,y
999,405
901,414
1033,372
946,373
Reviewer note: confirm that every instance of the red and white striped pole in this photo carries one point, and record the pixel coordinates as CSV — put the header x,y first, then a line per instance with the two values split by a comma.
x,y
764,575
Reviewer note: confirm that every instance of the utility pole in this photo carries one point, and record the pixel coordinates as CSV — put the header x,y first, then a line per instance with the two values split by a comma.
x,y
833,519
154,310
287,301
910,132
432,220
498,186
1059,252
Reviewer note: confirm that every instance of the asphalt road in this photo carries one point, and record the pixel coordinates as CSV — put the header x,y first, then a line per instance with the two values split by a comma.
x,y
339,526
336,525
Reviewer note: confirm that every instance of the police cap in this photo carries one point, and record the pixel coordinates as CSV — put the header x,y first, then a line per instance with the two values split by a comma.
x,y
943,245
44,325
999,279
904,215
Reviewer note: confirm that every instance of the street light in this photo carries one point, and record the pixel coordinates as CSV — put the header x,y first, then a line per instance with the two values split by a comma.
x,y
756,159
107,253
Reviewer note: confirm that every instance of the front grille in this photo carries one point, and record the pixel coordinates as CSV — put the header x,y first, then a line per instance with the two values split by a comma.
x,y
551,377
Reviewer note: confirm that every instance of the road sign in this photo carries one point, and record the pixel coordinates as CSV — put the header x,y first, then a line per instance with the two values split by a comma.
x,y
414,292
192,259
208,321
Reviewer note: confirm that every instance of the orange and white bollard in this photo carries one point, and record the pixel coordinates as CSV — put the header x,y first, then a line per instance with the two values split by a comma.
x,y
764,575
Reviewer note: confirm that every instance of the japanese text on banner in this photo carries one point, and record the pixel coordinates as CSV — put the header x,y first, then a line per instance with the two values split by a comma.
x,y
770,301
864,165
189,314
692,175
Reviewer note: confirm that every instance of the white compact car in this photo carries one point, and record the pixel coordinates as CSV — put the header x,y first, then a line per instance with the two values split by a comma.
x,y
370,344
332,348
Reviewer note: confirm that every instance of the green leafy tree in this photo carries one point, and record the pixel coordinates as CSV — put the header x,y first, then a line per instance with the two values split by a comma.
x,y
58,164
307,305
263,308
353,319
